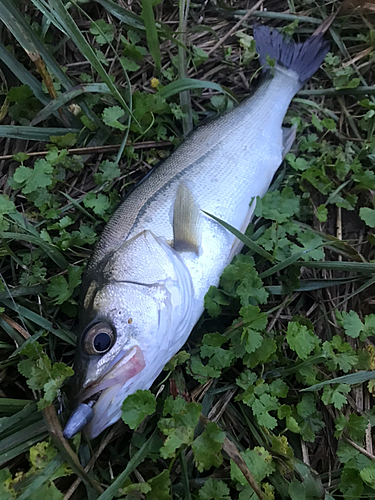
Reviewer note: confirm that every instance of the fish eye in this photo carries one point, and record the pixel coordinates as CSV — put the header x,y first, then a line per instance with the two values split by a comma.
x,y
99,338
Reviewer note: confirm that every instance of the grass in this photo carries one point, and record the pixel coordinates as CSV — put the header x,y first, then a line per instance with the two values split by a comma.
x,y
272,395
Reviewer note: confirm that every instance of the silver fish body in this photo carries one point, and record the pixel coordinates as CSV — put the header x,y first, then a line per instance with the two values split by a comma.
x,y
144,287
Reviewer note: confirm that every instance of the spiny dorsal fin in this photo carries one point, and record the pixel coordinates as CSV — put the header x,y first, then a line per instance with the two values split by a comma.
x,y
186,217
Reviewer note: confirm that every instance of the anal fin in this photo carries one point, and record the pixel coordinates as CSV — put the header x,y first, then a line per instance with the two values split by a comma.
x,y
186,218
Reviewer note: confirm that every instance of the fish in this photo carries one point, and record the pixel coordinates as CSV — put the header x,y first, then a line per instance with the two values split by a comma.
x,y
144,286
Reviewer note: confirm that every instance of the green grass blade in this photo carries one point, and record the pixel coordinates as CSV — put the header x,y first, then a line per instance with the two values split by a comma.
x,y
85,48
351,379
44,8
287,262
310,285
359,267
67,96
284,371
22,74
21,441
185,99
28,133
40,478
12,406
30,340
21,291
245,240
185,476
27,413
151,33
141,454
26,37
52,251
130,19
190,84
23,312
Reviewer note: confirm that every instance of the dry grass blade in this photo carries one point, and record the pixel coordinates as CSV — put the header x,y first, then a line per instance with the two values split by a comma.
x,y
230,448
16,326
26,37
236,26
62,444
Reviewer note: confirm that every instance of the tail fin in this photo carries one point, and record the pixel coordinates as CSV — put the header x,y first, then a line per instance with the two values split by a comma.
x,y
303,58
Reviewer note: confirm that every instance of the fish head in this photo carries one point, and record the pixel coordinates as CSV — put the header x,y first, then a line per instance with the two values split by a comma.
x,y
132,322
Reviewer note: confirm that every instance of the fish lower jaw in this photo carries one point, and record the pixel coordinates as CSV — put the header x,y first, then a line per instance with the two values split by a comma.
x,y
107,410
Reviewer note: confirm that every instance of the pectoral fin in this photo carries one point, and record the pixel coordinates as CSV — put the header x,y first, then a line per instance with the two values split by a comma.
x,y
289,135
186,218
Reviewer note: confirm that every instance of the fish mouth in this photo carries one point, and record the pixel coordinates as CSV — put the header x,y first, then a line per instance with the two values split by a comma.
x,y
125,366
99,404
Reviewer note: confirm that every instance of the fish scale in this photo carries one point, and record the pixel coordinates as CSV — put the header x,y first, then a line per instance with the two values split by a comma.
x,y
143,289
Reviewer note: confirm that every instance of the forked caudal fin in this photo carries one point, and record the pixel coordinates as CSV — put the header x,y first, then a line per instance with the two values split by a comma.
x,y
303,58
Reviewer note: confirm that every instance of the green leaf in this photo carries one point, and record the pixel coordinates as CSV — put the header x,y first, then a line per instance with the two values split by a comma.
x,y
179,427
369,327
111,116
340,354
213,300
99,203
335,395
368,475
207,447
211,348
178,359
300,339
6,207
214,489
355,426
7,491
241,278
254,322
351,323
129,64
367,215
307,406
160,487
59,373
202,372
61,290
32,179
322,213
137,406
351,484
277,206
346,452
297,490
298,163
102,31
259,462
108,171
261,408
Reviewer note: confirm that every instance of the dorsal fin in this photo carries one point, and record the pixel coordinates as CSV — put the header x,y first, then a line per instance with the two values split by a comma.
x,y
186,217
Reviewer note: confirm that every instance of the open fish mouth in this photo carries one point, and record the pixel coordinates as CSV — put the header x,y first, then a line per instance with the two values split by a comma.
x,y
124,367
95,410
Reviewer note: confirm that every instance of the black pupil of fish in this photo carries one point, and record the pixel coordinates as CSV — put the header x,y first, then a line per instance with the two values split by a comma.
x,y
102,342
